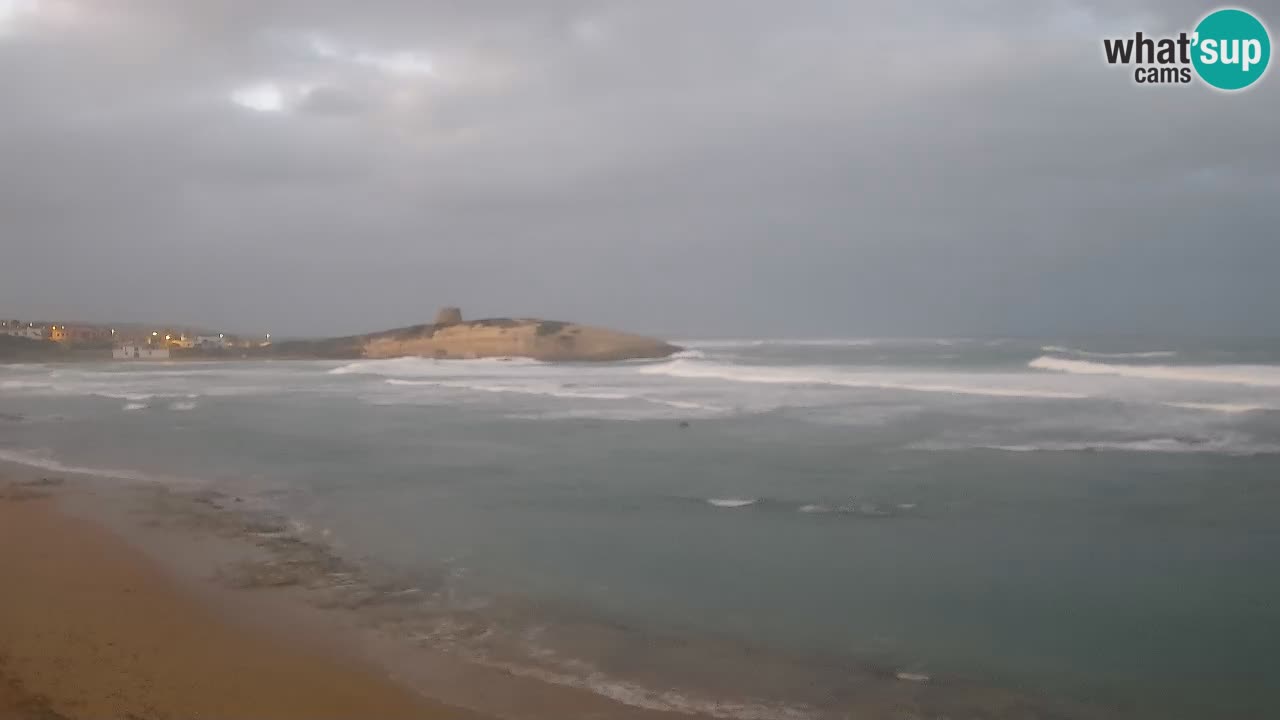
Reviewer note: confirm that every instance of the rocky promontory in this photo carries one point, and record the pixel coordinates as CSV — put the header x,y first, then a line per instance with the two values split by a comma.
x,y
452,338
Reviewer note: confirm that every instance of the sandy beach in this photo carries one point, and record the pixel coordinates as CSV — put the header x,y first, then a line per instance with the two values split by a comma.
x,y
92,628
135,600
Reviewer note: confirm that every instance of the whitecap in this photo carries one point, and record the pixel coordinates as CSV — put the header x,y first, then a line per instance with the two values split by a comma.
x,y
1253,375
1228,408
534,388
420,366
1229,445
1088,353
132,397
949,383
732,502
24,385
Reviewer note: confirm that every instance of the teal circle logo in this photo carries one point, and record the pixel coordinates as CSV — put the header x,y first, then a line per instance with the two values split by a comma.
x,y
1232,49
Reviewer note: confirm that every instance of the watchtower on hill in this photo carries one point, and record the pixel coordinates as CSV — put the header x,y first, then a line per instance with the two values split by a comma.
x,y
449,316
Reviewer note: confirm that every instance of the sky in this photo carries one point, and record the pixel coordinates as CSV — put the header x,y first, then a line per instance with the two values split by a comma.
x,y
689,168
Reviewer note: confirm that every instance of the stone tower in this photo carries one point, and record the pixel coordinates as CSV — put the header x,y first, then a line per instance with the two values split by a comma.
x,y
449,316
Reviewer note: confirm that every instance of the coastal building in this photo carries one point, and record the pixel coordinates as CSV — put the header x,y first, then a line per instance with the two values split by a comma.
x,y
140,352
172,339
86,334
210,342
30,332
58,333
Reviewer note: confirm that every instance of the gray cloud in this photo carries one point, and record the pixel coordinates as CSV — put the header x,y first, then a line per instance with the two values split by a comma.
x,y
690,168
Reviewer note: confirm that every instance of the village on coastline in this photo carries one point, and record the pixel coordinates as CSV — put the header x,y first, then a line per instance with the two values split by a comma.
x,y
128,342
450,337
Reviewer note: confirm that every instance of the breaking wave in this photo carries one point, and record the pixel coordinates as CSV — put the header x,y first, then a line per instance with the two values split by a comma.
x,y
1228,408
582,676
1089,353
546,389
131,397
426,367
732,502
1230,445
846,508
45,463
24,385
1254,375
812,375
550,389
813,342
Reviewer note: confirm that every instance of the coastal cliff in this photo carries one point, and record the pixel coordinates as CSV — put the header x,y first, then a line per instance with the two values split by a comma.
x,y
452,338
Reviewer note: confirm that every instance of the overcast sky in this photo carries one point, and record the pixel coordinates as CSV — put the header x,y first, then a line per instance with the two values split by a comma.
x,y
752,167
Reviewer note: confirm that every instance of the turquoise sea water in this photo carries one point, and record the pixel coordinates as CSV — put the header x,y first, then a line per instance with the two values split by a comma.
x,y
1090,523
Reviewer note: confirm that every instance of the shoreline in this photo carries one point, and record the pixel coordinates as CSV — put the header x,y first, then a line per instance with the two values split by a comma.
x,y
570,536
241,573
87,549
91,627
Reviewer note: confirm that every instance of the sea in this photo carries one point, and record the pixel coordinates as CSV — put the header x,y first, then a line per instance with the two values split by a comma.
x,y
763,528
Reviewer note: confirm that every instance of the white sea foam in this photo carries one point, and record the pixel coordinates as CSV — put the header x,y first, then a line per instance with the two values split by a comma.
x,y
556,390
685,405
821,342
24,385
426,367
634,414
1089,353
545,389
732,502
717,343
187,405
1254,375
580,675
813,342
1231,445
950,383
132,397
1228,408
135,406
46,463
863,509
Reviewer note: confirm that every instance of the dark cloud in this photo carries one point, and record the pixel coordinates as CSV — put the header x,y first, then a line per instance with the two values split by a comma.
x,y
692,168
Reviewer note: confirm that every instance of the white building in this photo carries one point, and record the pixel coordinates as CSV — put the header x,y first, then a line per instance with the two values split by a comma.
x,y
211,341
31,332
140,352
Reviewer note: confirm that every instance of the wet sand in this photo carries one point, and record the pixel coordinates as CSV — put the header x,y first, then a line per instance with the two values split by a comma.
x,y
144,601
92,628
